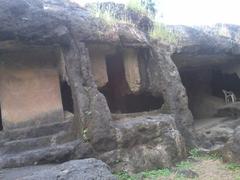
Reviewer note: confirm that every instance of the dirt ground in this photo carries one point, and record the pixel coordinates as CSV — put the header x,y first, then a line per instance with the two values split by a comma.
x,y
209,169
214,170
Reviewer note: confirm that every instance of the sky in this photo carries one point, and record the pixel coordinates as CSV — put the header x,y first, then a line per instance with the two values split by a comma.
x,y
193,12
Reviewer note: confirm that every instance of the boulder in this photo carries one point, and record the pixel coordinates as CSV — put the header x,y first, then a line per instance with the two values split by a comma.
x,y
231,151
145,142
231,110
161,69
71,170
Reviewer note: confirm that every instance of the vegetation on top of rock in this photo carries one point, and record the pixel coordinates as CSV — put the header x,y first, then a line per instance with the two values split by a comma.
x,y
146,7
113,14
136,5
160,31
107,15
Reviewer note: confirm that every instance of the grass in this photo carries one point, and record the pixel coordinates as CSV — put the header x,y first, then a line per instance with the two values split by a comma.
x,y
194,153
233,166
160,31
137,6
206,164
214,156
152,174
156,173
184,165
125,176
107,16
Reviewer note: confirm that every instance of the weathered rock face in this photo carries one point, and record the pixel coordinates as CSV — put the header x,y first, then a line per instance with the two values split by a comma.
x,y
231,150
76,169
206,46
139,143
146,142
164,71
208,61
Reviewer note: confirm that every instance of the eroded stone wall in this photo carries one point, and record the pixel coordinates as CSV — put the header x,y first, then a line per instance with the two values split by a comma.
x,y
29,89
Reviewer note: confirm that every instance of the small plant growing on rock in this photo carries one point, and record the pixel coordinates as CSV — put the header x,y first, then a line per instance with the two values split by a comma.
x,y
85,137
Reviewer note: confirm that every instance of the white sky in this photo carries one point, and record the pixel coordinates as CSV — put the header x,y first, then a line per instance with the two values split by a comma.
x,y
194,12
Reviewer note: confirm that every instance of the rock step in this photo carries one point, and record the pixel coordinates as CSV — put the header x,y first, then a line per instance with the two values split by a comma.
x,y
33,132
22,145
56,154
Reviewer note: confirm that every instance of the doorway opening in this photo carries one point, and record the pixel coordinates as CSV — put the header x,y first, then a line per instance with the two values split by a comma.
x,y
67,99
229,82
205,90
119,97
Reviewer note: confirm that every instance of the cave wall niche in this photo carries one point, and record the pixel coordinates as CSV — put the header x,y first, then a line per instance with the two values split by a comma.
x,y
29,88
204,88
119,80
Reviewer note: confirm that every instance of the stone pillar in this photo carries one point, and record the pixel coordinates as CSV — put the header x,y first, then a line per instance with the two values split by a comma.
x,y
99,68
92,115
131,68
165,79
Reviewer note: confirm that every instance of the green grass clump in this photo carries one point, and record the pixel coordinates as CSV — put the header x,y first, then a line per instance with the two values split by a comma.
x,y
125,176
137,6
160,31
108,16
184,165
194,153
214,156
233,166
152,174
156,173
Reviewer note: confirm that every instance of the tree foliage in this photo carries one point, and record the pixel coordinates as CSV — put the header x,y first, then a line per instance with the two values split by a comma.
x,y
150,6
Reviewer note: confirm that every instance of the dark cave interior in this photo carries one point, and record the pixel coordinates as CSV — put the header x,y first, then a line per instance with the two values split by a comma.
x,y
120,99
67,99
229,82
205,86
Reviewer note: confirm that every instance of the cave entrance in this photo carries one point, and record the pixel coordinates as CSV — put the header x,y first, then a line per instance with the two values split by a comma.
x,y
118,95
229,82
1,125
67,99
205,90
